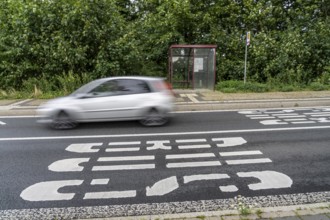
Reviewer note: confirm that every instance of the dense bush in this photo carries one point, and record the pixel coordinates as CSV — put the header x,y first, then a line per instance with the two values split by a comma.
x,y
57,45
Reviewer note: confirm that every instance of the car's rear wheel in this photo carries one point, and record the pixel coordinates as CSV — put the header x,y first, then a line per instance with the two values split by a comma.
x,y
63,121
154,118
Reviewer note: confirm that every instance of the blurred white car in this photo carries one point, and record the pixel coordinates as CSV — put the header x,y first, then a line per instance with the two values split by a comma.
x,y
147,99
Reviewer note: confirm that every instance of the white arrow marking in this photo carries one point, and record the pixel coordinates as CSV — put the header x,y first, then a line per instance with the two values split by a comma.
x,y
83,148
230,142
268,180
216,176
48,191
68,165
163,187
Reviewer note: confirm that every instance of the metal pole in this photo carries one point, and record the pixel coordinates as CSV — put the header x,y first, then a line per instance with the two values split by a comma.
x,y
245,63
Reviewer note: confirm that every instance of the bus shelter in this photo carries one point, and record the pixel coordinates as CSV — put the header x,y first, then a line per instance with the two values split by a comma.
x,y
192,66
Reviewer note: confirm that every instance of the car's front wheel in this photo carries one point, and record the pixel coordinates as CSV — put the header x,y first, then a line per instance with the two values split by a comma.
x,y
63,121
154,118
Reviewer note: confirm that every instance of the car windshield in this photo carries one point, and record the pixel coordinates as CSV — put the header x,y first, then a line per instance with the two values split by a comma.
x,y
86,88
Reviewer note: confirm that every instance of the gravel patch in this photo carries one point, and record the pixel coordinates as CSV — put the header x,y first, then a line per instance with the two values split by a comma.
x,y
166,208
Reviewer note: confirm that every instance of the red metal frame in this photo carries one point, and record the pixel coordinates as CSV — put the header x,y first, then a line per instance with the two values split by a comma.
x,y
205,46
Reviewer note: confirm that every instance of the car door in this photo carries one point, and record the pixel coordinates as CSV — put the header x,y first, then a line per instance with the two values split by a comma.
x,y
101,102
134,93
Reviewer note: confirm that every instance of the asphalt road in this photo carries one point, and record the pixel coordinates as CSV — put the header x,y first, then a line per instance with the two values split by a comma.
x,y
199,156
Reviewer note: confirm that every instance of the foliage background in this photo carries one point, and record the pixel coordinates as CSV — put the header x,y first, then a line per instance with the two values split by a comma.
x,y
48,45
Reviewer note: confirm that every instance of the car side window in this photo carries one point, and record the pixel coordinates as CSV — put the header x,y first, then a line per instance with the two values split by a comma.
x,y
132,86
108,88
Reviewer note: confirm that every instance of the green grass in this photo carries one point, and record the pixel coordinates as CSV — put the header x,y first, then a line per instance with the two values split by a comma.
x,y
253,87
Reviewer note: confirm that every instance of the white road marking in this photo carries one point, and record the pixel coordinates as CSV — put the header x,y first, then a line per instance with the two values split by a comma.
x,y
124,167
124,143
321,115
298,116
193,164
122,149
163,187
83,148
159,145
190,140
100,181
239,153
183,156
230,142
2,123
295,119
196,146
273,122
266,117
110,194
68,165
48,191
229,188
268,180
248,161
292,114
165,134
126,158
216,176
191,97
303,122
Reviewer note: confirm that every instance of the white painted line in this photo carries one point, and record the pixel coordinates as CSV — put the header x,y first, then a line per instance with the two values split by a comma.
x,y
124,143
292,114
100,181
124,167
216,176
266,117
240,153
166,134
248,161
273,122
317,114
183,147
183,156
230,188
110,194
126,158
20,102
193,164
122,149
303,122
298,116
2,123
259,115
323,115
295,119
190,140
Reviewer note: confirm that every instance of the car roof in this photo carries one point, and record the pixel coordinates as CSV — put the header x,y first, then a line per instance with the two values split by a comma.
x,y
146,78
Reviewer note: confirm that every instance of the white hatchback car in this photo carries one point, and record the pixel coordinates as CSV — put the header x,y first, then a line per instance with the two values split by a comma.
x,y
147,99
